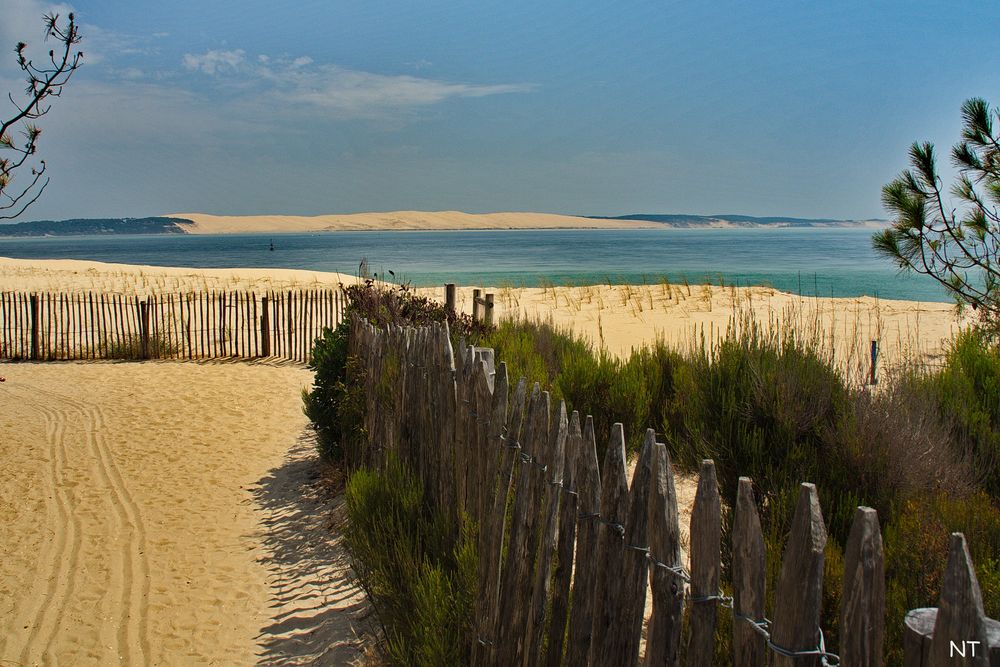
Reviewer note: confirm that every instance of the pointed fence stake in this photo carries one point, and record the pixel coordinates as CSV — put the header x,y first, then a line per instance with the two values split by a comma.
x,y
799,594
706,562
749,646
960,630
862,609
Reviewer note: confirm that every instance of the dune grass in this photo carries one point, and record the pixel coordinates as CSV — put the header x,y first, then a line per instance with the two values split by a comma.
x,y
772,401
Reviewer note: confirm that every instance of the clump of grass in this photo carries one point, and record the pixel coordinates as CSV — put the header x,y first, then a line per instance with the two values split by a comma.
x,y
421,582
967,389
130,348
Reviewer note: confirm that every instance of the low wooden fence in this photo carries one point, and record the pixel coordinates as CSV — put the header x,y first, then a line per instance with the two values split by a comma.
x,y
569,551
194,325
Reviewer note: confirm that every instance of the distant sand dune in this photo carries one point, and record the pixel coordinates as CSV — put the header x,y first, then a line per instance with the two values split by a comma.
x,y
396,221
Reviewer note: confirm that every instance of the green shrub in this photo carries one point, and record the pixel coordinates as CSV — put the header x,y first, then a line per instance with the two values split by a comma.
x,y
334,404
968,392
638,391
916,550
760,408
421,584
381,305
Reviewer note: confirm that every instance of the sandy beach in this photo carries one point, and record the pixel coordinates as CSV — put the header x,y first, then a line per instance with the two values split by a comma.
x,y
615,317
619,318
166,513
53,275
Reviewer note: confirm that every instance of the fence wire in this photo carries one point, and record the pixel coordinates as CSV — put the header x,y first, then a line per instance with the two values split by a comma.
x,y
761,626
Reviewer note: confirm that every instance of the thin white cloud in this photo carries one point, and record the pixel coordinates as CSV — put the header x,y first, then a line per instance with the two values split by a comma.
x,y
215,61
353,91
346,92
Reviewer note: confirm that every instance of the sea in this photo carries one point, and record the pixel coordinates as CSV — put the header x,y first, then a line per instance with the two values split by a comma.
x,y
811,261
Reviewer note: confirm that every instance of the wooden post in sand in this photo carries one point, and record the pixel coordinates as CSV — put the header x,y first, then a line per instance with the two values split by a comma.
x,y
265,329
144,328
449,298
477,296
873,378
488,310
34,327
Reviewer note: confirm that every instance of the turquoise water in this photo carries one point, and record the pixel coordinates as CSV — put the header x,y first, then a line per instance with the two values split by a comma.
x,y
837,262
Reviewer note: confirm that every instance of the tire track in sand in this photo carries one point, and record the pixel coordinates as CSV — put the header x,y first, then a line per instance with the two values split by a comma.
x,y
27,607
60,565
133,627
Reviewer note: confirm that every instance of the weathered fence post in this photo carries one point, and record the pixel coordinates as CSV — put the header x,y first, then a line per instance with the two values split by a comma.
x,y
35,328
799,594
524,533
588,486
873,375
476,298
449,298
562,578
663,637
265,328
748,580
960,629
553,477
918,630
862,606
610,554
144,328
706,557
636,567
488,310
486,648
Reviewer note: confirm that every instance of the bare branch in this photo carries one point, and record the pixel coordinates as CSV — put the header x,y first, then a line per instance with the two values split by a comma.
x,y
42,83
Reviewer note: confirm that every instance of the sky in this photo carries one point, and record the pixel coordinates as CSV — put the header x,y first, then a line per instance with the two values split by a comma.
x,y
258,107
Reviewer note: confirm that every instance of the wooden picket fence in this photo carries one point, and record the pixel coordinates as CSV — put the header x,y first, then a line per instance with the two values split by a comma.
x,y
569,550
193,325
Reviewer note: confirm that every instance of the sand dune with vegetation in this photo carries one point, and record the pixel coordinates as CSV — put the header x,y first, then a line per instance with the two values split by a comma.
x,y
396,221
163,512
620,318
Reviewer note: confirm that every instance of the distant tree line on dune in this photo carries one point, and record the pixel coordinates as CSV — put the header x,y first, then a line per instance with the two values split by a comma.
x,y
688,220
88,226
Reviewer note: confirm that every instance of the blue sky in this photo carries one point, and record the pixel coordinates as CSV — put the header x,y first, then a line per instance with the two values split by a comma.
x,y
761,108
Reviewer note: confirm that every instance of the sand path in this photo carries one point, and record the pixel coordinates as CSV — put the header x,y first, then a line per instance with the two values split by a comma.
x,y
166,513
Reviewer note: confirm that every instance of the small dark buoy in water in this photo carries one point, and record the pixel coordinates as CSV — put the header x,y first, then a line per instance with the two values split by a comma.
x,y
272,246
